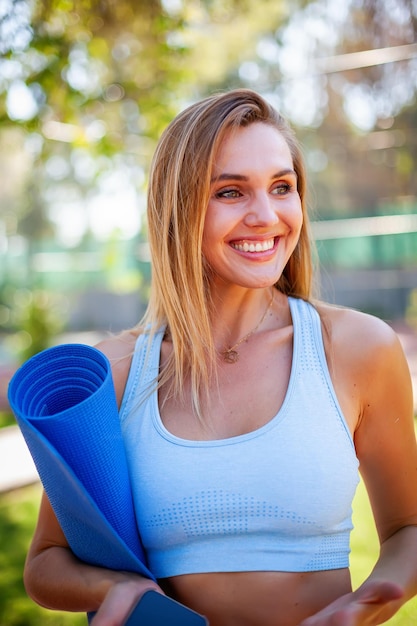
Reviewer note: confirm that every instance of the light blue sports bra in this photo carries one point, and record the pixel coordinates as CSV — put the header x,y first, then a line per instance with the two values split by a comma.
x,y
276,499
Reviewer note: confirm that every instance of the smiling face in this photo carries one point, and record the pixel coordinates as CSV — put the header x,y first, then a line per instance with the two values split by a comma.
x,y
254,215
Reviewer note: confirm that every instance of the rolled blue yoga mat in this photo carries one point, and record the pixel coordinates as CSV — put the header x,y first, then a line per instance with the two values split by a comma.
x,y
64,402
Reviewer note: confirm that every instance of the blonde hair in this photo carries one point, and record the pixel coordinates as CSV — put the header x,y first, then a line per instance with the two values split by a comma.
x,y
178,194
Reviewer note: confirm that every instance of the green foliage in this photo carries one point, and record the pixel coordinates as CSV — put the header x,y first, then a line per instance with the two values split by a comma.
x,y
87,63
100,79
6,419
87,59
33,319
365,550
18,512
39,324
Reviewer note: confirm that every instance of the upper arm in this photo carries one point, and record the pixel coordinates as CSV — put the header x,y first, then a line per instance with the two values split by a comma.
x,y
385,437
48,532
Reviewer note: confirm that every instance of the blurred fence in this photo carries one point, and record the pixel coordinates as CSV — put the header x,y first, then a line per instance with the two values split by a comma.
x,y
367,262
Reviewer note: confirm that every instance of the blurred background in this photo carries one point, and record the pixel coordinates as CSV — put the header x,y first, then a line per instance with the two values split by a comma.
x,y
87,86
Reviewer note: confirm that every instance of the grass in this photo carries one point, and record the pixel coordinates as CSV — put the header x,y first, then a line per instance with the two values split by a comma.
x,y
365,552
6,419
18,513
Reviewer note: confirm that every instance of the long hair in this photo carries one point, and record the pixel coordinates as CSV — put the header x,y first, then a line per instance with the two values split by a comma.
x,y
178,195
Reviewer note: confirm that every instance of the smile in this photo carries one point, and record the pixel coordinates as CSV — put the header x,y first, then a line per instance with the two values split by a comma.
x,y
254,246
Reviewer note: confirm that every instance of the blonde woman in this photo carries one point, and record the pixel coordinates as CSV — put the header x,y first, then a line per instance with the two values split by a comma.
x,y
247,407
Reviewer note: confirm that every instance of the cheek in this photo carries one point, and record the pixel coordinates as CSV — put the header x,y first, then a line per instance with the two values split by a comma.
x,y
296,216
208,242
214,227
211,250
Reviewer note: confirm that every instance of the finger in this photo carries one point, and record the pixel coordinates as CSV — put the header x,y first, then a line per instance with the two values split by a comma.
x,y
337,618
380,593
119,602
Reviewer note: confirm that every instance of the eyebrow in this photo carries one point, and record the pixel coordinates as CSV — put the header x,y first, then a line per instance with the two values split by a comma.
x,y
242,177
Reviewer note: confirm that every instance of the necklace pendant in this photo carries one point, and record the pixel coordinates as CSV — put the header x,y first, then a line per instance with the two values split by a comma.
x,y
231,356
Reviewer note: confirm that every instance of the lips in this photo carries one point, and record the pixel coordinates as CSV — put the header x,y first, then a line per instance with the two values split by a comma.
x,y
253,246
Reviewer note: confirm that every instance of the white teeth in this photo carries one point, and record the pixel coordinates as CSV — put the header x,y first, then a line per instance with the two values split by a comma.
x,y
259,246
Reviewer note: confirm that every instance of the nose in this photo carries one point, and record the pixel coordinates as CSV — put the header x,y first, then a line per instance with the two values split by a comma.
x,y
262,210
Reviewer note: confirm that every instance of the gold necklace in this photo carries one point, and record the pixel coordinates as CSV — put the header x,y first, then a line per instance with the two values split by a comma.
x,y
231,355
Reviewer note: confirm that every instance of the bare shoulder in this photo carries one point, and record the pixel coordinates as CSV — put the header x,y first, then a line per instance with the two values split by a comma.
x,y
359,334
368,365
119,350
366,359
120,346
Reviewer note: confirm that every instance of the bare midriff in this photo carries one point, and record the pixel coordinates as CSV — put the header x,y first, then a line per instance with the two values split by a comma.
x,y
258,598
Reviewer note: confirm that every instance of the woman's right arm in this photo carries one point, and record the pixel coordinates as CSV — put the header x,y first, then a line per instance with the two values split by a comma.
x,y
56,579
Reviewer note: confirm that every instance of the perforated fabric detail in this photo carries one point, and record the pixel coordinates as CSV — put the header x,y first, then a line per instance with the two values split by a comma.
x,y
195,513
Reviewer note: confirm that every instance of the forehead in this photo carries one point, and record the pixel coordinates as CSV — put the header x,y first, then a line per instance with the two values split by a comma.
x,y
256,145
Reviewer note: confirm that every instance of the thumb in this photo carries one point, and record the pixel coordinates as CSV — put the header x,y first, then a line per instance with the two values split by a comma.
x,y
379,592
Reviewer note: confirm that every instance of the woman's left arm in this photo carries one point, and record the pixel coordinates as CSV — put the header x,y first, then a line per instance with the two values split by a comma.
x,y
386,446
385,443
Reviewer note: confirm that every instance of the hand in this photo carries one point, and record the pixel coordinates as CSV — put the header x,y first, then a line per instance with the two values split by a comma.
x,y
367,606
119,601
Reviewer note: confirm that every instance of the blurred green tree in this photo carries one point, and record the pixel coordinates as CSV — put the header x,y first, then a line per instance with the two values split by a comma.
x,y
349,69
86,86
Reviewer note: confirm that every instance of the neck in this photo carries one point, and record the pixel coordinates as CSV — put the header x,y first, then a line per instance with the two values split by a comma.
x,y
238,313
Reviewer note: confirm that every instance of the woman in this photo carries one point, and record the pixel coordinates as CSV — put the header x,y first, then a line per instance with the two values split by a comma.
x,y
246,409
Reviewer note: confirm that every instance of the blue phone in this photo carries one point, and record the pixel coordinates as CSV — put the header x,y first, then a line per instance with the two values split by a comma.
x,y
155,609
